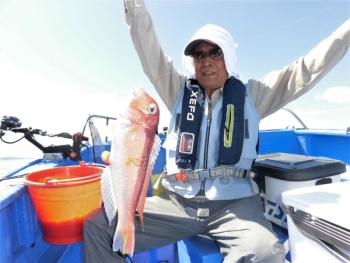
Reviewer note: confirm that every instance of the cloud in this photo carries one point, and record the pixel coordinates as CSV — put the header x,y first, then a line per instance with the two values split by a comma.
x,y
51,104
318,118
335,95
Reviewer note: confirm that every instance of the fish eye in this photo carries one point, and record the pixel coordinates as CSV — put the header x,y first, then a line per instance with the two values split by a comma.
x,y
152,108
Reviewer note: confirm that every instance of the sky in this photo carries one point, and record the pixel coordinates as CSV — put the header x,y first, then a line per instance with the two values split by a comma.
x,y
63,60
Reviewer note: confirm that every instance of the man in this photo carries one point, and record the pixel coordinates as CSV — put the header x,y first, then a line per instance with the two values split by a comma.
x,y
211,143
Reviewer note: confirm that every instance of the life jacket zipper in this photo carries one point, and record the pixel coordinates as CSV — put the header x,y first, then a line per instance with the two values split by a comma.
x,y
205,161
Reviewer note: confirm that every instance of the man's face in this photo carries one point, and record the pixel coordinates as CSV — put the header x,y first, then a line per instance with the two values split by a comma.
x,y
210,73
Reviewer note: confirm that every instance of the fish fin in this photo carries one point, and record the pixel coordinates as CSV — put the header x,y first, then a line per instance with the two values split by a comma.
x,y
155,150
108,197
118,239
141,202
124,240
151,160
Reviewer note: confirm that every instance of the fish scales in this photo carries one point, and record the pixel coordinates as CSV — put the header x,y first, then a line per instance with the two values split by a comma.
x,y
134,159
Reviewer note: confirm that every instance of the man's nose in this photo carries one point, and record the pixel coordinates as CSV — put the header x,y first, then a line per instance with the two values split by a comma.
x,y
208,61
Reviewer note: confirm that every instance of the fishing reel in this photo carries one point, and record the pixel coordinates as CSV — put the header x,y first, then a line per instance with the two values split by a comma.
x,y
9,122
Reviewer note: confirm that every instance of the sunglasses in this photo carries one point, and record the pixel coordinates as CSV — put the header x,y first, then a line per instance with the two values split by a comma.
x,y
214,53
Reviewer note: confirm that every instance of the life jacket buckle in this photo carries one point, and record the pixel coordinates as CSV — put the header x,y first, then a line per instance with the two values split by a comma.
x,y
180,176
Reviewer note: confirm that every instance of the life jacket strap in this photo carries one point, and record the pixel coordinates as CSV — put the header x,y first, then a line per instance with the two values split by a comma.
x,y
224,172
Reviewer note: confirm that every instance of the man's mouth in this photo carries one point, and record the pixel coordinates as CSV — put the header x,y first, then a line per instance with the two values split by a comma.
x,y
208,73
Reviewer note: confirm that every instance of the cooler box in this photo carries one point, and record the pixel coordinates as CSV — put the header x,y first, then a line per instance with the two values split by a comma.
x,y
319,223
279,172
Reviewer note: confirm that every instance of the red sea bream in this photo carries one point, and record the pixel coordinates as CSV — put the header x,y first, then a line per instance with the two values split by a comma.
x,y
134,150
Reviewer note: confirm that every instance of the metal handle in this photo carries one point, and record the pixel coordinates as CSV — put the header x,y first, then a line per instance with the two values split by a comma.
x,y
97,165
49,180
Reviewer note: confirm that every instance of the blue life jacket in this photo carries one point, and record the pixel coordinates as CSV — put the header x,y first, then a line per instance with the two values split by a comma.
x,y
232,126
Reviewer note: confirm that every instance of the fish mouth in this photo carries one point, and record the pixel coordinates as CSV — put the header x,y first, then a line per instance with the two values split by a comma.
x,y
134,94
138,92
143,110
139,108
128,116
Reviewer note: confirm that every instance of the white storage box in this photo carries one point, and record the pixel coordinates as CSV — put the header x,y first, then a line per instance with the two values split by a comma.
x,y
279,172
319,223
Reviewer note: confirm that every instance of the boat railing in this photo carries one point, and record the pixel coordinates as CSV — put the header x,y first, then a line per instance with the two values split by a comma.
x,y
296,117
90,120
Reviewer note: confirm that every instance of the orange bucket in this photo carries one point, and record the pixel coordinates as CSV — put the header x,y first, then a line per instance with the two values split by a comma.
x,y
62,198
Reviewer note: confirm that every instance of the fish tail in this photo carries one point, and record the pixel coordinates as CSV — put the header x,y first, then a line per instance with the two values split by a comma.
x,y
117,240
124,240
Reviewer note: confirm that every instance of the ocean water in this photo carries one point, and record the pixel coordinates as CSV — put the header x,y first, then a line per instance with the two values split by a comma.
x,y
16,155
9,164
13,162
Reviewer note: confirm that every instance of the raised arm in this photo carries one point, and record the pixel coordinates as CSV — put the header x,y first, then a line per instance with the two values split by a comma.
x,y
280,87
158,67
